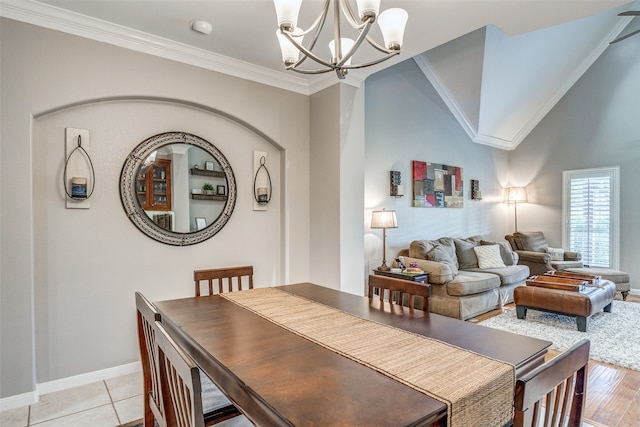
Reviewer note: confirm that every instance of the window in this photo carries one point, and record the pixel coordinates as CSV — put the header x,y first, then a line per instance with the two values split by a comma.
x,y
591,215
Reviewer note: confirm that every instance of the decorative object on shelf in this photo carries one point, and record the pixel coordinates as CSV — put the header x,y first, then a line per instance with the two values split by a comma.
x,y
201,223
208,166
515,195
262,188
437,185
476,194
384,219
207,188
77,168
391,22
177,147
395,180
221,190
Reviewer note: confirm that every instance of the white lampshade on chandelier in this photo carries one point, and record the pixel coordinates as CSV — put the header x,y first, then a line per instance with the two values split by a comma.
x,y
391,22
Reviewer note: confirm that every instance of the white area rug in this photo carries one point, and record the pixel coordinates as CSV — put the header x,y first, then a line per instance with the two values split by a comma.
x,y
615,336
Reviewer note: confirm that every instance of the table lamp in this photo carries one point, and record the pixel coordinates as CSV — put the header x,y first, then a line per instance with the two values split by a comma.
x,y
384,219
515,195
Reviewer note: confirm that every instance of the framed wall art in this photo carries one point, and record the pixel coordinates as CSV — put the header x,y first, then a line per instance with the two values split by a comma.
x,y
436,185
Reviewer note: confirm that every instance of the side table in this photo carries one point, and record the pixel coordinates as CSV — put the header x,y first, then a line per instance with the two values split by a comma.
x,y
421,278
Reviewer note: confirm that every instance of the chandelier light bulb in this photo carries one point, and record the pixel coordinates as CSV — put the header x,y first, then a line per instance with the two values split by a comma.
x,y
287,12
290,52
345,46
392,23
368,8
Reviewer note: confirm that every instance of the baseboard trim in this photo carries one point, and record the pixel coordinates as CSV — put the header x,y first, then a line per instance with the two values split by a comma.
x,y
18,400
88,378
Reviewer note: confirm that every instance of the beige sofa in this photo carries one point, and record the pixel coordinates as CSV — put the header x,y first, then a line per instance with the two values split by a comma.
x,y
464,281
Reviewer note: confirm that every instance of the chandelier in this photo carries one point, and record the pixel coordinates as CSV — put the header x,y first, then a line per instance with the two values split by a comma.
x,y
391,22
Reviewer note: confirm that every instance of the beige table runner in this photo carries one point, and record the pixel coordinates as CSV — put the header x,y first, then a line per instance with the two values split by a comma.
x,y
477,390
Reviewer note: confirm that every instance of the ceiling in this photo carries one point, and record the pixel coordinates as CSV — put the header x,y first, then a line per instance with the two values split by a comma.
x,y
243,41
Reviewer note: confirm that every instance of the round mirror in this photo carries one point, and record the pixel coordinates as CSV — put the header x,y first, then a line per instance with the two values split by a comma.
x,y
177,188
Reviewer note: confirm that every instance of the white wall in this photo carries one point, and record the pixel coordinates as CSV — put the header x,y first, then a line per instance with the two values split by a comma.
x,y
595,125
68,276
406,120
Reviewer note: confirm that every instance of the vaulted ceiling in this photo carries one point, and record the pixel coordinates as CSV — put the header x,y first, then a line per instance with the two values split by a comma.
x,y
499,65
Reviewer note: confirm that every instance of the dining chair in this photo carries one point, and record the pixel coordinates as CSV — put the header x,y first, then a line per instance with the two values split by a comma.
x,y
154,408
401,287
224,276
560,384
183,380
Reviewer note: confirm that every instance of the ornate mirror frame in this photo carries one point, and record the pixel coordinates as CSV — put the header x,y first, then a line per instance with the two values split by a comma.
x,y
136,214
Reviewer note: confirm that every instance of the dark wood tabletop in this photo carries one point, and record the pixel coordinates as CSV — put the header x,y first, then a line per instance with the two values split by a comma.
x,y
278,378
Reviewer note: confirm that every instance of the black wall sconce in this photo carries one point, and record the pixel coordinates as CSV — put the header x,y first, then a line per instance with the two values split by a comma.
x,y
396,189
262,189
476,194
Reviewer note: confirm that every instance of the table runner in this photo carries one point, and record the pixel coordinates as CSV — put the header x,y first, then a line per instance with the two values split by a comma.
x,y
477,390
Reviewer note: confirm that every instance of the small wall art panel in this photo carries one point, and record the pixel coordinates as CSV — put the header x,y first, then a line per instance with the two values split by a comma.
x,y
437,185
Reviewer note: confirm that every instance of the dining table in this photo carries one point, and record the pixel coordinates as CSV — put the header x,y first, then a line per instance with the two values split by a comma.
x,y
281,372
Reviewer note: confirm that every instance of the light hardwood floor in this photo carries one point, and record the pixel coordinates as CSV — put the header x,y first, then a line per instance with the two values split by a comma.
x,y
613,393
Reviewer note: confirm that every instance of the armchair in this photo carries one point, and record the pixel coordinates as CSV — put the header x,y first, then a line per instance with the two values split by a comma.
x,y
534,252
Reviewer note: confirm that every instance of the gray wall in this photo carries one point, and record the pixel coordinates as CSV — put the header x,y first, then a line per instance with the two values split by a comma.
x,y
406,120
594,125
68,276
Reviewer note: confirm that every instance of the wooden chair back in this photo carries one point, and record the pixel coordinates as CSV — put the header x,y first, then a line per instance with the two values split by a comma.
x,y
225,279
151,373
182,378
399,287
560,384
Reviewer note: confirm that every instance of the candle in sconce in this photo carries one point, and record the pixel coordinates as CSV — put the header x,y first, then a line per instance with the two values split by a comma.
x,y
400,190
262,195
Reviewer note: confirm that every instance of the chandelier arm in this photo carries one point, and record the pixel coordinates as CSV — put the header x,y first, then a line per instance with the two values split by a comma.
x,y
356,45
306,52
337,36
348,13
319,22
378,47
368,64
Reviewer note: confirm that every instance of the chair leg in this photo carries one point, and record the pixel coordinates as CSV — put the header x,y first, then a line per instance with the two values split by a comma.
x,y
582,323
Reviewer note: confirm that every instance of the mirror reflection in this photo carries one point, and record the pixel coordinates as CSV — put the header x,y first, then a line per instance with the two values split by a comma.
x,y
181,188
177,188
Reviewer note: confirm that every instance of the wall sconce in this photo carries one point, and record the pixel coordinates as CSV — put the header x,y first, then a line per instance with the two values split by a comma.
x,y
476,194
262,189
515,195
396,189
79,176
384,219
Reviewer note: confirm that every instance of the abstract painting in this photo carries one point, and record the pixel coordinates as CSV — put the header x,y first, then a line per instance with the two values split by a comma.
x,y
437,185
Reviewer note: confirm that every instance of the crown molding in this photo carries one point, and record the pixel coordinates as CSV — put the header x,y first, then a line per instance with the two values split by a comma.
x,y
54,18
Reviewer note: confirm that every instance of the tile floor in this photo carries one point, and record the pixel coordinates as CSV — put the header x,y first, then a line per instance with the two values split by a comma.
x,y
106,403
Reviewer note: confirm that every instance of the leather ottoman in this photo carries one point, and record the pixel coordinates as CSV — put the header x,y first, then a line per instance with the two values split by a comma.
x,y
620,278
581,304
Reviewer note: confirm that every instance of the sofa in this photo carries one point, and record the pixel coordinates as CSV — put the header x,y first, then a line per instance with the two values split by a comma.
x,y
469,276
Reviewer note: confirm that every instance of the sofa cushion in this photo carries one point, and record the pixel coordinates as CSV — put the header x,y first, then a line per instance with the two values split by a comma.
x,y
505,251
465,253
509,275
556,254
439,253
533,241
488,256
471,283
420,248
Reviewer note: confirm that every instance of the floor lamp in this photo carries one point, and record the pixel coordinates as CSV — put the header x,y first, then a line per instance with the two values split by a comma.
x,y
384,219
515,195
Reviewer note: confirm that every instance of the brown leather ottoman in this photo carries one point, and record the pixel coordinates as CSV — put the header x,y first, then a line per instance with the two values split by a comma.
x,y
581,304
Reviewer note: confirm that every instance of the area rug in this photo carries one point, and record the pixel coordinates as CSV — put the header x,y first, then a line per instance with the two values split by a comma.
x,y
615,336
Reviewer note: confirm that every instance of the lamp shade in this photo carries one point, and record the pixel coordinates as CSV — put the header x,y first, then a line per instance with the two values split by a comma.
x,y
384,219
287,12
345,46
368,8
290,53
392,22
515,195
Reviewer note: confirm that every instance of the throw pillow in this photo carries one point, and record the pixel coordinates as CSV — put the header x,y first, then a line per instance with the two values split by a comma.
x,y
489,256
419,248
556,254
531,241
464,251
505,251
440,254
